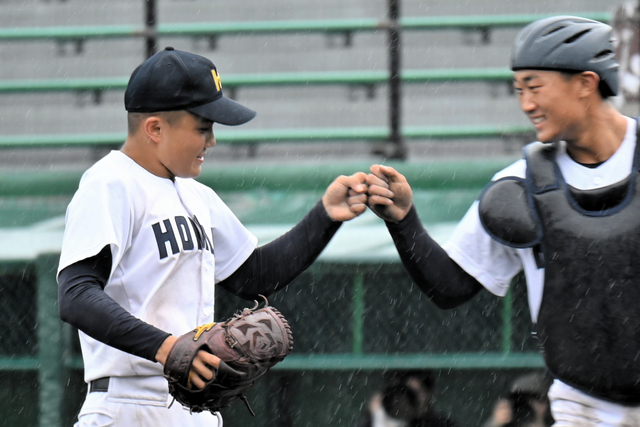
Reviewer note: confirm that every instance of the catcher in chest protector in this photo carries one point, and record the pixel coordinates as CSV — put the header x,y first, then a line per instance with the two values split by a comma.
x,y
145,246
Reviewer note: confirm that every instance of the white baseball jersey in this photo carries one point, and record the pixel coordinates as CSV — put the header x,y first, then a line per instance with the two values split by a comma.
x,y
494,265
171,241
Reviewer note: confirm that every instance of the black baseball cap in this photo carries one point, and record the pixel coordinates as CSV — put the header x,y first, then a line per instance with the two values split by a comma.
x,y
173,80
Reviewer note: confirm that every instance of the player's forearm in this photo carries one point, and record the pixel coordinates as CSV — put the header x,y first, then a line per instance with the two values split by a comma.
x,y
83,303
90,310
273,266
437,275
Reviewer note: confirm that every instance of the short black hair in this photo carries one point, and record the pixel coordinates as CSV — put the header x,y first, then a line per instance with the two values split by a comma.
x,y
135,119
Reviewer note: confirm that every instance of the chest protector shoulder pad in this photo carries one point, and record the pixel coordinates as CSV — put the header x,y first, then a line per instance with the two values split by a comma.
x,y
589,242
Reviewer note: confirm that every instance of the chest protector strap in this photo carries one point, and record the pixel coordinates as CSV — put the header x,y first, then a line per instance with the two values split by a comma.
x,y
589,319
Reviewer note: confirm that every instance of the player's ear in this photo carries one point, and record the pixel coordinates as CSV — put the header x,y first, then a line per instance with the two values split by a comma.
x,y
153,127
589,82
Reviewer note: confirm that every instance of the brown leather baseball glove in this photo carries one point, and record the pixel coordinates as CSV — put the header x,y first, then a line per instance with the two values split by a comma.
x,y
248,344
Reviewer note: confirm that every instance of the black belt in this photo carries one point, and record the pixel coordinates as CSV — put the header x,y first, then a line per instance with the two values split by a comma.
x,y
100,385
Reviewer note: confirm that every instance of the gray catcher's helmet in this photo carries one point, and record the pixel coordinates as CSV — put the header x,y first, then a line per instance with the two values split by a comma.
x,y
568,43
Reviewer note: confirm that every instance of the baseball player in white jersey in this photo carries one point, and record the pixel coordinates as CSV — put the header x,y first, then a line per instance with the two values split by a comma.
x,y
145,245
568,214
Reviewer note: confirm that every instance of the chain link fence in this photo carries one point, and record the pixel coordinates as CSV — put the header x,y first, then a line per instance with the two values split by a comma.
x,y
18,313
333,309
397,317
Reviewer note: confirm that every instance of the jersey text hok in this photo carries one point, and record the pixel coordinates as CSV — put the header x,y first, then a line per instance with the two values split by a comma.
x,y
189,234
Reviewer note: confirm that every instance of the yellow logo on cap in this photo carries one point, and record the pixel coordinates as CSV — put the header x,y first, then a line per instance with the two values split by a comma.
x,y
216,79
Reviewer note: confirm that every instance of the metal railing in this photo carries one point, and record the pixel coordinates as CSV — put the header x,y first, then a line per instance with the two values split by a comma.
x,y
302,135
51,359
393,78
299,27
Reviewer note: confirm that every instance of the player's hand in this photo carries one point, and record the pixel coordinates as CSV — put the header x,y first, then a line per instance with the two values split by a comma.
x,y
204,365
390,196
346,197
203,368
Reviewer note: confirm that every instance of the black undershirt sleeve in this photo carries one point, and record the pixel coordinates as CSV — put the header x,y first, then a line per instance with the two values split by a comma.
x,y
83,303
430,267
274,265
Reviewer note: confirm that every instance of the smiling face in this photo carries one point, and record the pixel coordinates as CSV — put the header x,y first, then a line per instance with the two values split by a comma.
x,y
183,145
551,101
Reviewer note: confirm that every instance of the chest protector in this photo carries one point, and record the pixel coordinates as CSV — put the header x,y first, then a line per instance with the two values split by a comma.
x,y
588,242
